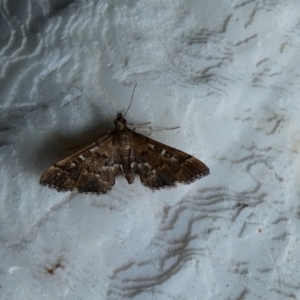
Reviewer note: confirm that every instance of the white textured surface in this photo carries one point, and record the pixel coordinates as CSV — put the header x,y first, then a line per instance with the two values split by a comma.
x,y
228,73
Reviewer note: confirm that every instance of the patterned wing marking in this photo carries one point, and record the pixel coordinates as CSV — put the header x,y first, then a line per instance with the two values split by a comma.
x,y
90,170
161,166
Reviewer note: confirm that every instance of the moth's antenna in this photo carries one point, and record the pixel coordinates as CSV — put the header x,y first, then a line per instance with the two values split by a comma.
x,y
87,98
167,52
130,100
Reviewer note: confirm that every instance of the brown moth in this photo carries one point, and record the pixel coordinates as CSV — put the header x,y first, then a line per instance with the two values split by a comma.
x,y
123,151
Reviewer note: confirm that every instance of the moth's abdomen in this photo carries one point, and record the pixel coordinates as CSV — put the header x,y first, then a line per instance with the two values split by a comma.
x,y
126,164
124,153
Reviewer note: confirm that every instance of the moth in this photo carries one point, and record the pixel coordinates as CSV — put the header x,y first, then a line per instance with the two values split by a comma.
x,y
123,151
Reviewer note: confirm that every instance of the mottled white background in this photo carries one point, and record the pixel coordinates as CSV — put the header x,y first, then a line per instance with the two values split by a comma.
x,y
228,73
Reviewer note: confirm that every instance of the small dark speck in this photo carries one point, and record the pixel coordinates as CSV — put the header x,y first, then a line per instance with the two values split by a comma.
x,y
52,270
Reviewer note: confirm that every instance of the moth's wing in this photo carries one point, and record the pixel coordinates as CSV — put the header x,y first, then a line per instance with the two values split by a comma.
x,y
162,166
90,170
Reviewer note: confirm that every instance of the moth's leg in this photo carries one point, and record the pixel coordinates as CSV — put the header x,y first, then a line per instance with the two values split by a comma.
x,y
155,129
138,125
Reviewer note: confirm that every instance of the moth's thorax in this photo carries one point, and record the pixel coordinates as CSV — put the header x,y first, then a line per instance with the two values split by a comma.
x,y
121,134
122,140
120,122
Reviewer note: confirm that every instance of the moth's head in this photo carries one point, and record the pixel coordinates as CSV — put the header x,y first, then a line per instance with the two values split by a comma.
x,y
120,122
